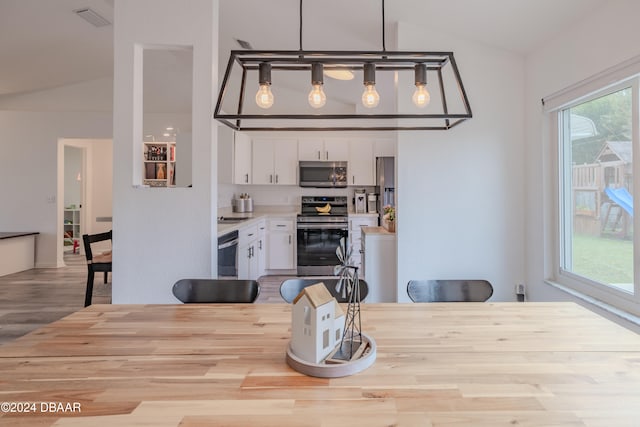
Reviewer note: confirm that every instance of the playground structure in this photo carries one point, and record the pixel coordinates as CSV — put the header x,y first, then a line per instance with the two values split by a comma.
x,y
602,200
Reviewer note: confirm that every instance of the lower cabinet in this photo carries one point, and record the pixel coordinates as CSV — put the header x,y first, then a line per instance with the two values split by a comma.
x,y
379,264
282,244
356,222
262,248
248,253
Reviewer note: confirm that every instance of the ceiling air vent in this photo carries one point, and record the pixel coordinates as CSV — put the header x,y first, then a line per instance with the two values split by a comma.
x,y
92,17
244,44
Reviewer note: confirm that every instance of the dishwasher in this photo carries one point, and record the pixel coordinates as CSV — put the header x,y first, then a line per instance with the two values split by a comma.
x,y
228,255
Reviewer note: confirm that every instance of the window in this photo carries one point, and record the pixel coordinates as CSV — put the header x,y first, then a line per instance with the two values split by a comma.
x,y
597,137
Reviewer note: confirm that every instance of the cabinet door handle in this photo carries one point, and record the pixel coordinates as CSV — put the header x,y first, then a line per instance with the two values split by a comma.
x,y
249,252
271,179
260,244
318,154
289,238
326,155
276,178
246,178
353,179
281,225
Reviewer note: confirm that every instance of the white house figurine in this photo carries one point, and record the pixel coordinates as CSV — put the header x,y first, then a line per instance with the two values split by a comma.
x,y
317,323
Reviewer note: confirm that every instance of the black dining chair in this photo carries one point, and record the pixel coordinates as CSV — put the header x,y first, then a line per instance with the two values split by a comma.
x,y
216,290
290,288
96,263
449,290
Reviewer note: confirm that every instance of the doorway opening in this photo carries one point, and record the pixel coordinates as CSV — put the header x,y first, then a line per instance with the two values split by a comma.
x,y
85,181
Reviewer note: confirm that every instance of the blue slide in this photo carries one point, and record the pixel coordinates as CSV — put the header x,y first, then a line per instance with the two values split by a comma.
x,y
622,197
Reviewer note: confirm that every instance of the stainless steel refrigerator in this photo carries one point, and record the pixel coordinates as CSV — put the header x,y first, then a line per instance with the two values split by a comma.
x,y
385,182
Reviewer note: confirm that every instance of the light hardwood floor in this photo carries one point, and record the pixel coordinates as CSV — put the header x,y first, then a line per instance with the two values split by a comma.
x,y
33,298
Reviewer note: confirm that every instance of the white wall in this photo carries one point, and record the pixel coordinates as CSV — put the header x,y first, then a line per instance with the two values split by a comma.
x,y
162,235
29,181
93,95
72,168
459,192
603,39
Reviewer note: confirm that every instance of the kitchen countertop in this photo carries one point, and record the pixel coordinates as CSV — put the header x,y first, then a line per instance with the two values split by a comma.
x,y
377,231
375,214
253,217
10,235
265,212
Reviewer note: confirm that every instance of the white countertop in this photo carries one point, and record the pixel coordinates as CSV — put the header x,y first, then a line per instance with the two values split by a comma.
x,y
379,231
258,214
366,215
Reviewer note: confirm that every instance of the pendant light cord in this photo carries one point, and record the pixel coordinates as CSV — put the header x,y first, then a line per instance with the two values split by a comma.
x,y
384,47
301,25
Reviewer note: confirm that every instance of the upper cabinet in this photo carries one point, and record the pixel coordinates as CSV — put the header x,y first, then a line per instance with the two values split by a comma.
x,y
323,149
361,162
234,156
275,161
384,148
242,159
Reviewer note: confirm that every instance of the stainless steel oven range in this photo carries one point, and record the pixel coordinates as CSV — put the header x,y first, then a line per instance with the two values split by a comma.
x,y
322,222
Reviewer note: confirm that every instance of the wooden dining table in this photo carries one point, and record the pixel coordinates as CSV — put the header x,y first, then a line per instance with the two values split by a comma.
x,y
455,364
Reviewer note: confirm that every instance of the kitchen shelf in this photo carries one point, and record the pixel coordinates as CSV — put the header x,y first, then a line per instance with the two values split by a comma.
x,y
159,164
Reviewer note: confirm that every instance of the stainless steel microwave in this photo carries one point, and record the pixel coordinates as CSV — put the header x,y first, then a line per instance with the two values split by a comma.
x,y
323,174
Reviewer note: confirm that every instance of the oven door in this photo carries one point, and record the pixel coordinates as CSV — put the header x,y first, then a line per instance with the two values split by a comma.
x,y
317,244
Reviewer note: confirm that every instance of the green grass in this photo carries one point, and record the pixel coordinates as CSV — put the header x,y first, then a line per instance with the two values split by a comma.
x,y
606,260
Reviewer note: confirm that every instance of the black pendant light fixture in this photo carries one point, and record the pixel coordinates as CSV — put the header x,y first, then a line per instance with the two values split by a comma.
x,y
438,105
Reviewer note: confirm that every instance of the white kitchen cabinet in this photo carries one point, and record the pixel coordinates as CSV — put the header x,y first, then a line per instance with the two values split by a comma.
x,y
261,248
242,158
379,264
361,164
335,149
384,148
248,263
275,161
356,222
281,254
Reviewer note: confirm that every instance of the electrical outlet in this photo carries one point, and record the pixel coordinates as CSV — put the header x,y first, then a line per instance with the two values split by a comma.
x,y
51,199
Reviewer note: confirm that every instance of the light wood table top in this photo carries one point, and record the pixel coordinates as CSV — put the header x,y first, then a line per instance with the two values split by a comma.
x,y
478,364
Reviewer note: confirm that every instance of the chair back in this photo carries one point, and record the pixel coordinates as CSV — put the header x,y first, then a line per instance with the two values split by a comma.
x,y
449,290
216,290
290,288
88,239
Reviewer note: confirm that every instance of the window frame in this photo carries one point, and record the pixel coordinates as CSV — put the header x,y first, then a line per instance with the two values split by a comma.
x,y
615,297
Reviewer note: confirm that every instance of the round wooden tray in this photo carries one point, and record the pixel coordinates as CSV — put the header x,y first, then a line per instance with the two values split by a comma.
x,y
323,370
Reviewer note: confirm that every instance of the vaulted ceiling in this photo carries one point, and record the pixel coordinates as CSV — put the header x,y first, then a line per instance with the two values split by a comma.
x,y
43,44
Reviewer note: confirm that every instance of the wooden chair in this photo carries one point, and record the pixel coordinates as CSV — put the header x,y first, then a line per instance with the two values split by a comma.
x,y
216,290
449,290
98,263
290,288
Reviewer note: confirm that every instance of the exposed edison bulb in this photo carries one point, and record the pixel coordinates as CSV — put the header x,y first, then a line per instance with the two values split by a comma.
x,y
317,98
421,96
264,97
370,97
